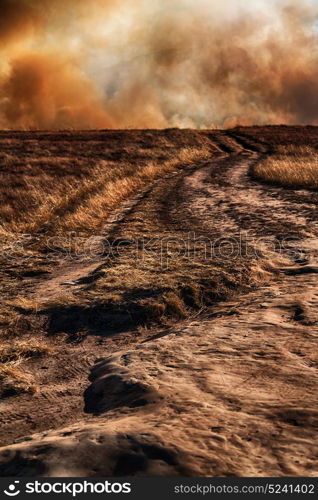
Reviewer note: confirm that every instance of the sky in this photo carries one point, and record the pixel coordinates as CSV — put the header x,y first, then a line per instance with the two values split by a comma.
x,y
155,64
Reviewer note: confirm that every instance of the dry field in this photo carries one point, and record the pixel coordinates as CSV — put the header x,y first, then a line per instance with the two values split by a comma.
x,y
290,166
154,282
57,194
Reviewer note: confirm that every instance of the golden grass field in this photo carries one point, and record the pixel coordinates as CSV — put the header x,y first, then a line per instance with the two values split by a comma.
x,y
290,166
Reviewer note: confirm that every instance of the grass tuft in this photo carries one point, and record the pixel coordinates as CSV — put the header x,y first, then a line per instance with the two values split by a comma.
x,y
13,382
290,166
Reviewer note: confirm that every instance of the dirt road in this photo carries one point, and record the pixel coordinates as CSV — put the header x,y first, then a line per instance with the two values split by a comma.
x,y
230,391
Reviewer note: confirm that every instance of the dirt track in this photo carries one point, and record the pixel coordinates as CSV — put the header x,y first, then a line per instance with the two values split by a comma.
x,y
229,393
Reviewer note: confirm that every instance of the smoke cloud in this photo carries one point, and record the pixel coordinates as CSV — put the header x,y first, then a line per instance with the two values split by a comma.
x,y
140,64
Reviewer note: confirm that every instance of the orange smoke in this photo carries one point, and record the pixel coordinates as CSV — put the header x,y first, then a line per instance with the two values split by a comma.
x,y
133,63
49,91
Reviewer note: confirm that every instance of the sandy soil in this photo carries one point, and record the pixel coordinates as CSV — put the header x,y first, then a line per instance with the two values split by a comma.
x,y
231,392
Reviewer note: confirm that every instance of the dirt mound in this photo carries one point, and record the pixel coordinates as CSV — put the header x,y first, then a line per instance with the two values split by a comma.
x,y
211,398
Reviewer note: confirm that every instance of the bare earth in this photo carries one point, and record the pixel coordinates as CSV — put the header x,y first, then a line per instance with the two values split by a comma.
x,y
229,391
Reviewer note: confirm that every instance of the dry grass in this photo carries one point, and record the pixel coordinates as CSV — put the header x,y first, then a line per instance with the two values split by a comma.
x,y
111,190
74,184
13,377
55,186
13,381
160,285
48,183
290,166
16,351
50,190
